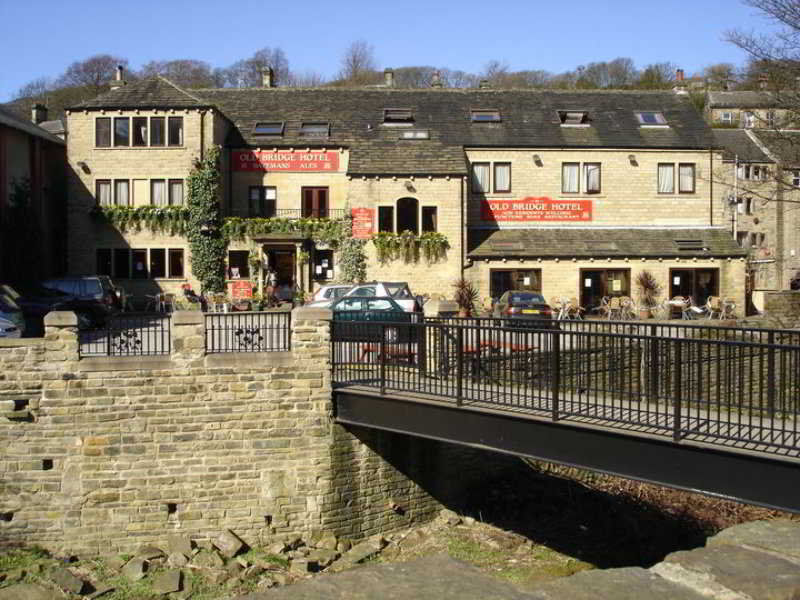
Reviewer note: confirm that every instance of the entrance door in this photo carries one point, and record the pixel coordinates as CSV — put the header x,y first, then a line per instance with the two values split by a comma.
x,y
282,260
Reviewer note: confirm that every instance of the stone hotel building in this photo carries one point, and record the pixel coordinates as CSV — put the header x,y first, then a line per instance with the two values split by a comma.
x,y
570,193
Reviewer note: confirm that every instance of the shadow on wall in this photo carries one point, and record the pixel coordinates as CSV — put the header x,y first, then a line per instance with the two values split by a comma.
x,y
420,476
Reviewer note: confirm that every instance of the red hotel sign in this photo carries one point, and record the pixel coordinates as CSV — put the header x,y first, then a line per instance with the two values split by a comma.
x,y
536,209
249,160
363,219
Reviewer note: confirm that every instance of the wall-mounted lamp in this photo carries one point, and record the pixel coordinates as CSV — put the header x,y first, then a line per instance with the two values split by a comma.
x,y
632,159
537,160
208,228
84,167
410,186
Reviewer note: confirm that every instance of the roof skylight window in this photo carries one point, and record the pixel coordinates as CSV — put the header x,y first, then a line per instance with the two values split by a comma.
x,y
273,128
315,130
415,134
485,116
398,116
573,117
650,118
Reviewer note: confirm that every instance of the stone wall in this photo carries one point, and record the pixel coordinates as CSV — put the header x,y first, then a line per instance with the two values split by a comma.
x,y
783,305
196,443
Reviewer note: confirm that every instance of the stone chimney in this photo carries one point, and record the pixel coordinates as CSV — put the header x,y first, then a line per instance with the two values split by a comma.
x,y
763,81
118,80
388,78
484,84
38,113
267,77
436,80
679,75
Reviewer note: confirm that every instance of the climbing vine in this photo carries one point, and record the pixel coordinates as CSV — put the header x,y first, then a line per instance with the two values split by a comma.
x,y
407,247
207,244
173,220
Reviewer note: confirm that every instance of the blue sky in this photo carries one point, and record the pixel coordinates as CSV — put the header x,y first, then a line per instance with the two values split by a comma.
x,y
530,34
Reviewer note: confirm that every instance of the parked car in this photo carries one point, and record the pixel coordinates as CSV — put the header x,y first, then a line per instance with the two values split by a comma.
x,y
11,312
397,291
364,312
101,299
328,294
524,305
36,301
9,329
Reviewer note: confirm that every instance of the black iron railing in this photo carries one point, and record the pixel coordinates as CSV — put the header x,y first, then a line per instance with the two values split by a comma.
x,y
248,332
729,386
291,213
127,335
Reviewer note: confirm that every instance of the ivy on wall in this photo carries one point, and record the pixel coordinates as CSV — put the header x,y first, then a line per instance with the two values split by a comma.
x,y
207,244
173,220
407,247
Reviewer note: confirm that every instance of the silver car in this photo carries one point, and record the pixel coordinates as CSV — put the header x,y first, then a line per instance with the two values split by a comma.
x,y
328,294
10,311
396,290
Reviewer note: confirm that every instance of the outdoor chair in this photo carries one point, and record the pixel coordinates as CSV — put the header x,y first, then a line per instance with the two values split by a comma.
x,y
614,308
627,308
167,303
714,307
574,309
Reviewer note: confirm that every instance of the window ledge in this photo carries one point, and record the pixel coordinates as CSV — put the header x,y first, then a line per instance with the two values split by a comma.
x,y
578,125
140,147
654,126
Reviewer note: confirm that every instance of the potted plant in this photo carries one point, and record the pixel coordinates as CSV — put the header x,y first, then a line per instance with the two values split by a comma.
x,y
299,297
465,297
649,290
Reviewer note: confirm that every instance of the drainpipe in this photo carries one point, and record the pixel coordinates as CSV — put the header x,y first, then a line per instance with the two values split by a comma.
x,y
202,133
463,229
735,196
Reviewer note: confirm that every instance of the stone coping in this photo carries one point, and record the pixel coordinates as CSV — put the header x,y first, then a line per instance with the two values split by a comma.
x,y
21,342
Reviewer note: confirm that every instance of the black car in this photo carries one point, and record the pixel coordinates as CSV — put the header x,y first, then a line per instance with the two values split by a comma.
x,y
36,301
97,293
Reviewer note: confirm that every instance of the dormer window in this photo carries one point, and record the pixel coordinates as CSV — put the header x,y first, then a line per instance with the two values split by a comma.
x,y
398,116
315,130
651,119
485,115
573,117
268,128
690,245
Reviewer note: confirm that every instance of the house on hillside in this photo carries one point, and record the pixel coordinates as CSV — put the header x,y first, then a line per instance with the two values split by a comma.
x,y
32,200
568,193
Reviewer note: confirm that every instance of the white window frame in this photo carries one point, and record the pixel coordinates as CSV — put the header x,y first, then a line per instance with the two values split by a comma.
x,y
748,119
796,178
726,117
661,121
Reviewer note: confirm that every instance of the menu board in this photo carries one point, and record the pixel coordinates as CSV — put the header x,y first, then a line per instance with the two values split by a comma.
x,y
363,223
240,290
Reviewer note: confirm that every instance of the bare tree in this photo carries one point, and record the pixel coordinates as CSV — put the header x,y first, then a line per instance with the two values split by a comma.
x,y
184,72
94,72
36,89
247,72
306,79
358,63
622,73
657,76
458,79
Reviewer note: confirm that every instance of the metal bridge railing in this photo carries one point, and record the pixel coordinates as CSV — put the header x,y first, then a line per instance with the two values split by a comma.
x,y
736,386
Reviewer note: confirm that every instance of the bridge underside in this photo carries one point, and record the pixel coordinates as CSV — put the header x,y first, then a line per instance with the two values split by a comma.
x,y
733,474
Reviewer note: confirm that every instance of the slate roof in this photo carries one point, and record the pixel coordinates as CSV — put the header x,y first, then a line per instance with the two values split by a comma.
x,y
55,127
11,120
600,243
529,119
154,92
784,146
736,143
743,99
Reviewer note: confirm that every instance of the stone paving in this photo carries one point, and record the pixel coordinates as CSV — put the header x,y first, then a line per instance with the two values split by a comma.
x,y
752,561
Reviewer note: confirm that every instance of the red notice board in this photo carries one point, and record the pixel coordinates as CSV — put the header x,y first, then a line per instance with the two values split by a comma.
x,y
536,209
363,223
240,290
